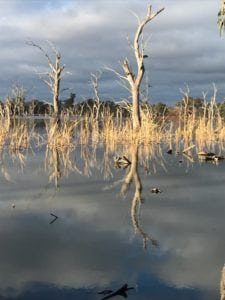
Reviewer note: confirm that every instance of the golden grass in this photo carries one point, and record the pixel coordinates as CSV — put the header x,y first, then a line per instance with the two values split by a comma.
x,y
204,131
60,134
4,129
99,125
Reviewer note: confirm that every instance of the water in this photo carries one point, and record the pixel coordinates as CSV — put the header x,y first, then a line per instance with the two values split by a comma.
x,y
107,233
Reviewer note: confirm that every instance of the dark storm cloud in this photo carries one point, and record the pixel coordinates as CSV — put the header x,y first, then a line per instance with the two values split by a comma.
x,y
184,45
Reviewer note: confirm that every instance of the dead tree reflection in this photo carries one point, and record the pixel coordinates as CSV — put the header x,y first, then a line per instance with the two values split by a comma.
x,y
53,165
222,285
137,200
9,158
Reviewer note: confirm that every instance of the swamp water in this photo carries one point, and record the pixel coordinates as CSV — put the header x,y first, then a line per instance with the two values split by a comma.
x,y
73,225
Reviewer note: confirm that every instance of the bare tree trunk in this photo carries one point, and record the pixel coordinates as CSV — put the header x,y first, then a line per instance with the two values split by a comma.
x,y
56,88
135,80
54,76
136,116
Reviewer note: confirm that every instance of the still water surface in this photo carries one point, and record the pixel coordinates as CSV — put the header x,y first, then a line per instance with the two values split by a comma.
x,y
110,229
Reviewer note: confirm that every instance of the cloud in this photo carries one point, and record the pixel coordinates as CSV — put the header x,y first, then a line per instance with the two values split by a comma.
x,y
93,242
184,40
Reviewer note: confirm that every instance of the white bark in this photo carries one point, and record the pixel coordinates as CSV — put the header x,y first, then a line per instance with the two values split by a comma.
x,y
54,75
135,80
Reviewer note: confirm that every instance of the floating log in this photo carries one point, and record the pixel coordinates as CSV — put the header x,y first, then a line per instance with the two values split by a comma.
x,y
210,156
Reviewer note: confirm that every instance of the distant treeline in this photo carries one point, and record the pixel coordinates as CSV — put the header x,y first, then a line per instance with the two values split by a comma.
x,y
19,106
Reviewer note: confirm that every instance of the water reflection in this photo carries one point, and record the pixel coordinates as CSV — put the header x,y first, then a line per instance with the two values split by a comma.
x,y
58,163
16,158
91,246
120,292
222,285
137,201
53,164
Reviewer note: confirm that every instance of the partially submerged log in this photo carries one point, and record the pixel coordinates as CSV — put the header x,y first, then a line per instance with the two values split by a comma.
x,y
206,156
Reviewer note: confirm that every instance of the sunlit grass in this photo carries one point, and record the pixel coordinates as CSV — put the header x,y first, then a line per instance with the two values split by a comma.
x,y
99,125
60,134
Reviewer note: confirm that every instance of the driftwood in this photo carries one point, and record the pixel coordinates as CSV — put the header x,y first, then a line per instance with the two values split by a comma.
x,y
206,156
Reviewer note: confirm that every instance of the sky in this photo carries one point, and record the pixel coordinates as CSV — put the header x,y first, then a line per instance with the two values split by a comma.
x,y
184,47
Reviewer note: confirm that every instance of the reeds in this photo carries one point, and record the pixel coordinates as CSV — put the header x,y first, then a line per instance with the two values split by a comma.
x,y
204,130
97,123
60,133
114,128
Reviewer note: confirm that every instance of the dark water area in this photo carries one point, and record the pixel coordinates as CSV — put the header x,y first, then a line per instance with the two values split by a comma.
x,y
73,225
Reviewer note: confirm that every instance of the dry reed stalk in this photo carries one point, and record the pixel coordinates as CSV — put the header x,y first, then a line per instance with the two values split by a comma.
x,y
20,135
4,129
60,135
84,130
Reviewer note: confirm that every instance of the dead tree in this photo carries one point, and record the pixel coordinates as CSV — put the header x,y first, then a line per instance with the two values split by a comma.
x,y
135,80
54,76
